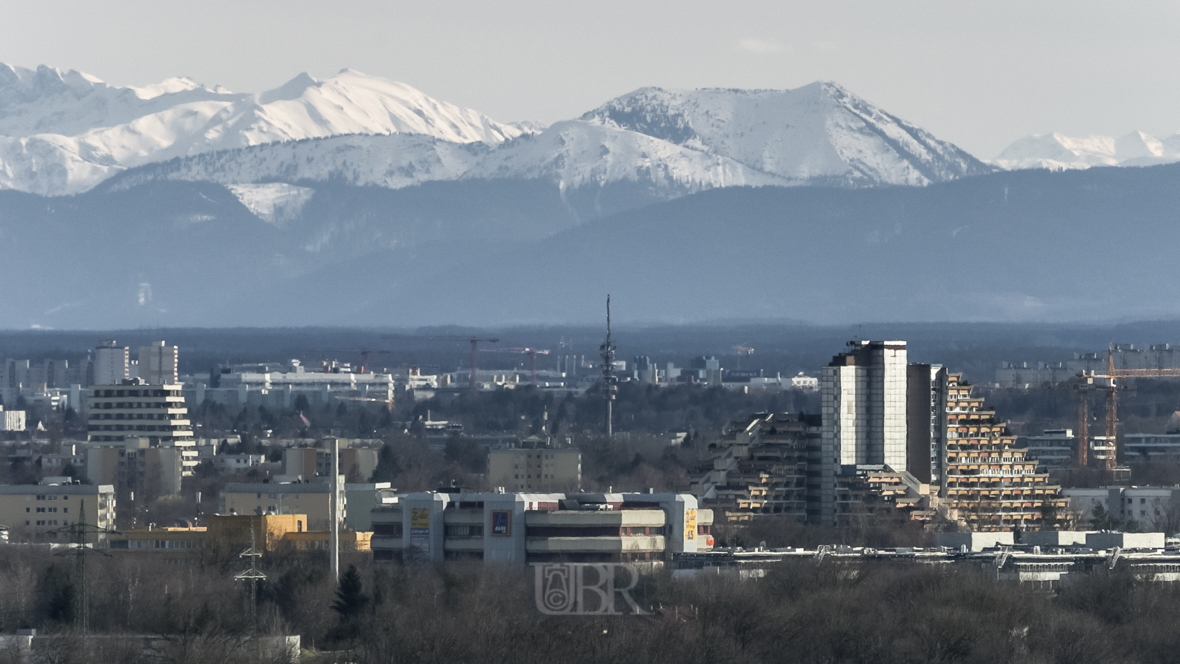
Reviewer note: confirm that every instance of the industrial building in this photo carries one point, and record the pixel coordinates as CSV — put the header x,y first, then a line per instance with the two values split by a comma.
x,y
522,528
280,386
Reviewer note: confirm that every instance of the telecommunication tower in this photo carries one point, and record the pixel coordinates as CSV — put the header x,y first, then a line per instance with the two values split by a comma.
x,y
610,382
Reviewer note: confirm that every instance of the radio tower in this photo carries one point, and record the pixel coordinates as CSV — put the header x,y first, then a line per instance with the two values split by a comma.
x,y
609,381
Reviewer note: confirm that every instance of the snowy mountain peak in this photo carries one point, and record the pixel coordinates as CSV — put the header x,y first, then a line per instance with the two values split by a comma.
x,y
292,89
21,83
64,132
1057,151
818,132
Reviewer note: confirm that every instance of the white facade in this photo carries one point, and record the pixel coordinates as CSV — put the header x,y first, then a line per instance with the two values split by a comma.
x,y
111,364
805,383
863,396
12,420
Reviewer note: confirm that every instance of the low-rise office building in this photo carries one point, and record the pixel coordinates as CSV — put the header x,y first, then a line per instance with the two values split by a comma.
x,y
519,528
38,511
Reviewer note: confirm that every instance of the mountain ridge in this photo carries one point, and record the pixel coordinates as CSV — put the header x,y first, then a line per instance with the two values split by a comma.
x,y
817,134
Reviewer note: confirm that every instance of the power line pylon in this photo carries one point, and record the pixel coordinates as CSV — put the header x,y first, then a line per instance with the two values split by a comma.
x,y
78,533
252,575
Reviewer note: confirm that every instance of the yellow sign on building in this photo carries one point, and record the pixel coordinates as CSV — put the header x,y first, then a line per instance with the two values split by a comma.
x,y
690,525
419,518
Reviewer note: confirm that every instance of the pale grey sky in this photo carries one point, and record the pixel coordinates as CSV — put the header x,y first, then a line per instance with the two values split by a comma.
x,y
980,74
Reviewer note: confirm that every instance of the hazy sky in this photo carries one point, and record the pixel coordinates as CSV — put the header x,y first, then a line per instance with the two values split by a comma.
x,y
979,74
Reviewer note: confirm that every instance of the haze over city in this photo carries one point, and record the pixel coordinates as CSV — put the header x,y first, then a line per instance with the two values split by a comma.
x,y
543,332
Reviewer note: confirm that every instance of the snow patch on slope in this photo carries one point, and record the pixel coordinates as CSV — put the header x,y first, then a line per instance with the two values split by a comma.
x,y
276,203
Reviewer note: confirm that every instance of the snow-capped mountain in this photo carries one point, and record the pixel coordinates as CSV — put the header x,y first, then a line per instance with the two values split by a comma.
x,y
1056,151
817,133
577,153
63,132
392,161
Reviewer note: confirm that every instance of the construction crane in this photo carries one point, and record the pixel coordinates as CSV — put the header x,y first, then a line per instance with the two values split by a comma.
x,y
473,382
1109,383
475,342
363,352
531,352
743,351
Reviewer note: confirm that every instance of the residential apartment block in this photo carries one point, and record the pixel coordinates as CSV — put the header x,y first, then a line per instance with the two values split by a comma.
x,y
312,498
39,511
535,469
863,394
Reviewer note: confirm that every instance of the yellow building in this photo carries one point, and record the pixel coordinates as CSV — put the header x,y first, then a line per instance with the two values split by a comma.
x,y
990,485
225,536
535,469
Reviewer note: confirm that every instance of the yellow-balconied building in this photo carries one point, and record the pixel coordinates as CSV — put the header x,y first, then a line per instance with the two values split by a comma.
x,y
989,484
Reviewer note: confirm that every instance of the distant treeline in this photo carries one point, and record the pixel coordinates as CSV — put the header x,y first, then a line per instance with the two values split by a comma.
x,y
779,346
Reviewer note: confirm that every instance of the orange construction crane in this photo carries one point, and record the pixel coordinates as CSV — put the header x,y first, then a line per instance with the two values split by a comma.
x,y
1108,382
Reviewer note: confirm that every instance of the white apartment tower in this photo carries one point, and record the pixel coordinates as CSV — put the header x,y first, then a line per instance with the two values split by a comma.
x,y
111,364
157,364
863,397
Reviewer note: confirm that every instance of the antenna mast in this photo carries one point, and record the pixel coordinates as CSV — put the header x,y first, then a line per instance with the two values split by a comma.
x,y
609,380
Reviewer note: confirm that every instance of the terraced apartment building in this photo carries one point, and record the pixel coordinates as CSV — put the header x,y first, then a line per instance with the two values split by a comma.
x,y
989,483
